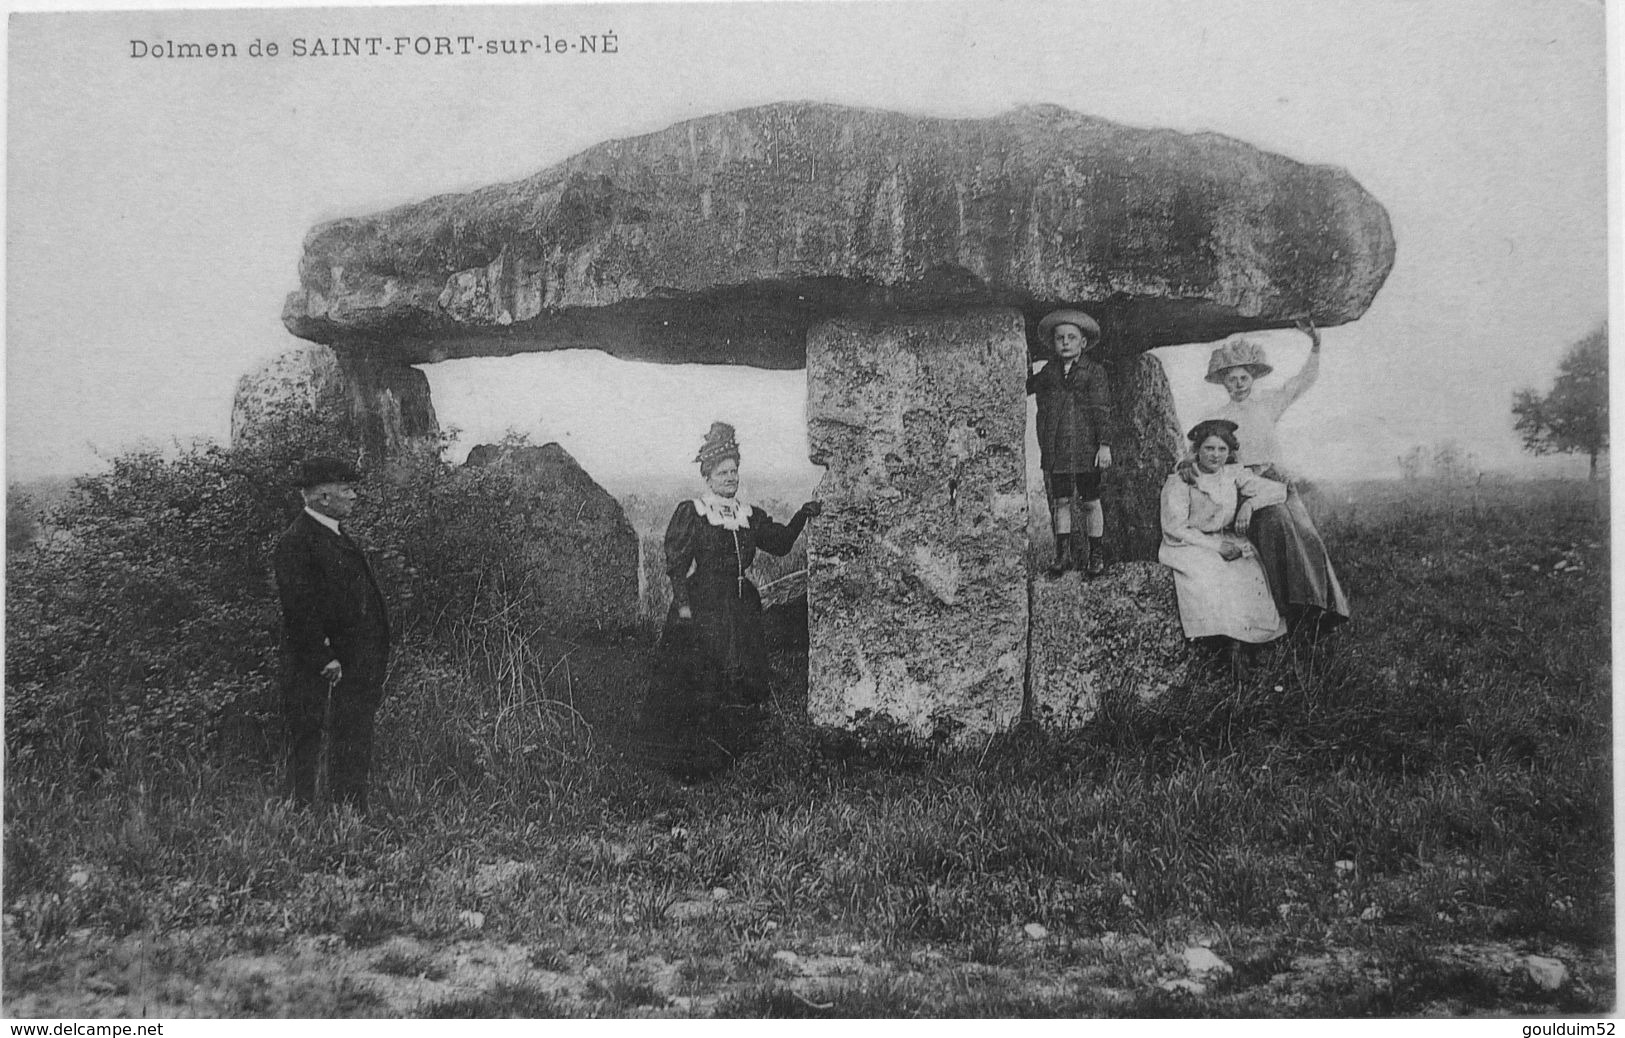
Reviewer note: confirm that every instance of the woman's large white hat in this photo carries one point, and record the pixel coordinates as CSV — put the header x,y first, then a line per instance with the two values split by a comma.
x,y
1237,352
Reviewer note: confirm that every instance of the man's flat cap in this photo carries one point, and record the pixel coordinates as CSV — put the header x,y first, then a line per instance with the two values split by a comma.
x,y
313,472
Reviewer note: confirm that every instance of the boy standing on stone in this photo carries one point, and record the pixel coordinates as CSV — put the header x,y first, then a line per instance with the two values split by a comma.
x,y
1074,438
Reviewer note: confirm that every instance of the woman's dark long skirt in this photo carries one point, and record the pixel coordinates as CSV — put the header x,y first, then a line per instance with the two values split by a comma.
x,y
1295,562
705,707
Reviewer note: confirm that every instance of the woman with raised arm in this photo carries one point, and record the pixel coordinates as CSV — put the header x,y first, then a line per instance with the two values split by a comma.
x,y
1301,579
711,672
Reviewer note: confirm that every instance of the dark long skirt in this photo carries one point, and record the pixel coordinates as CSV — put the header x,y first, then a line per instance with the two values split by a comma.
x,y
1299,571
706,702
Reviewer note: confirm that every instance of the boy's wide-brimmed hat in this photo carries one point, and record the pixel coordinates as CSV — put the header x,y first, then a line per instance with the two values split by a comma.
x,y
1237,353
1082,321
313,472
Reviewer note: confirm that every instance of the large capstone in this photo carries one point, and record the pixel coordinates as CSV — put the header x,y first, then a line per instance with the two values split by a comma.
x,y
581,555
724,239
917,569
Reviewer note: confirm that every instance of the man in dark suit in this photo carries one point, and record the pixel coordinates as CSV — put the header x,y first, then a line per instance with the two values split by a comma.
x,y
335,637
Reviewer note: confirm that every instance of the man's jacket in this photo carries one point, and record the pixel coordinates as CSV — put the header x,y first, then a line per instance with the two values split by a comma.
x,y
331,605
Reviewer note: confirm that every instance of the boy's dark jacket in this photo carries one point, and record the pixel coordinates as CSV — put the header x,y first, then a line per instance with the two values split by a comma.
x,y
1086,389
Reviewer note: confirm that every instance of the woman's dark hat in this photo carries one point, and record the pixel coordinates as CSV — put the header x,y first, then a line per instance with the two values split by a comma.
x,y
313,472
1202,430
719,443
1082,321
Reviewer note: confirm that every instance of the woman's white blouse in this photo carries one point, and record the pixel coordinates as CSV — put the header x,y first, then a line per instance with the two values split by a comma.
x,y
1198,515
1256,416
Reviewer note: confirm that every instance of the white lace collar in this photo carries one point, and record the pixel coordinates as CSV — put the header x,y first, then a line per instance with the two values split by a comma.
x,y
730,513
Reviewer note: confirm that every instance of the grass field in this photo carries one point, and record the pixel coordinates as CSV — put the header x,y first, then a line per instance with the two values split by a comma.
x,y
1390,822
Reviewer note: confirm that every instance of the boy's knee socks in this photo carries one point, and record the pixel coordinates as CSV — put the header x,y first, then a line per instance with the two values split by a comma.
x,y
1062,516
1094,519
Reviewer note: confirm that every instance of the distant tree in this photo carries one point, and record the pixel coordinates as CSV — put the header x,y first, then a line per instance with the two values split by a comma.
x,y
1573,417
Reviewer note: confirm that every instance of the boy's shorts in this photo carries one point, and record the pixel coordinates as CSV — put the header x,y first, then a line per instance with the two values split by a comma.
x,y
1064,486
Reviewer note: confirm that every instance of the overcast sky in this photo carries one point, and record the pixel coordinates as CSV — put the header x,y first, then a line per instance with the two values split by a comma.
x,y
156,208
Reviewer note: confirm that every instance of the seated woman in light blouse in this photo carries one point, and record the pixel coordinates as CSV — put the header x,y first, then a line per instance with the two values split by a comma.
x,y
1221,587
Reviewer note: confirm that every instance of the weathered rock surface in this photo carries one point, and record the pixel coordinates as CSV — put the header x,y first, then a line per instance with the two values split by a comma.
x,y
724,239
1201,961
1148,445
1117,634
917,570
384,404
582,557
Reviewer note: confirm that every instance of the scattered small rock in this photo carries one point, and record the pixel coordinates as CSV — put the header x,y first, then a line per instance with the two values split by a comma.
x,y
471,919
1344,868
786,956
1548,974
1202,960
1036,931
1372,914
720,893
691,909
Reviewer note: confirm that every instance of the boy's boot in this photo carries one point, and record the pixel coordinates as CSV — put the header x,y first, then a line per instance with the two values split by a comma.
x,y
1063,557
1097,559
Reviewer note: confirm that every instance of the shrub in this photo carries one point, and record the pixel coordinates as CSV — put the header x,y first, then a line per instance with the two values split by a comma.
x,y
152,622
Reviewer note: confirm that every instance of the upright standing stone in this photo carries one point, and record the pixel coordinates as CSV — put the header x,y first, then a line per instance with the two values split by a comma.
x,y
381,403
918,576
581,555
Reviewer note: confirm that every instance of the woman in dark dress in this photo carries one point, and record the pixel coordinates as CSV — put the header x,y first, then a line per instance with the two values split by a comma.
x,y
711,678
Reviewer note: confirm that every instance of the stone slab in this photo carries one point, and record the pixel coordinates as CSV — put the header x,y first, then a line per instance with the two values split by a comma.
x,y
581,556
917,572
722,239
1115,635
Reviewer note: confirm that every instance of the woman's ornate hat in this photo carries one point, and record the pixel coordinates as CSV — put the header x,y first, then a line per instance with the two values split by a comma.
x,y
1237,352
1077,318
719,443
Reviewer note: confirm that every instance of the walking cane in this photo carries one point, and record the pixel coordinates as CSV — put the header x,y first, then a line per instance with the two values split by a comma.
x,y
324,771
